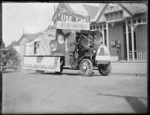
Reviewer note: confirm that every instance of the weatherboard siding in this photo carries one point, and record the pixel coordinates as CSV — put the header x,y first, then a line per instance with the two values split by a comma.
x,y
141,38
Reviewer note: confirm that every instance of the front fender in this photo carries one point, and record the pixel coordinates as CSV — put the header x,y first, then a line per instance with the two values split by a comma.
x,y
89,55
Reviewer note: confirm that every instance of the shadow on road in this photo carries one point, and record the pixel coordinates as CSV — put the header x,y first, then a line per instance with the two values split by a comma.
x,y
134,102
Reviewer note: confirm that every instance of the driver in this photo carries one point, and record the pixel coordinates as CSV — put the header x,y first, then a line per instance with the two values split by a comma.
x,y
83,40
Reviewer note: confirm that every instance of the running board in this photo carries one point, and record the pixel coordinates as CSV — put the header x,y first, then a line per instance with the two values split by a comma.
x,y
69,67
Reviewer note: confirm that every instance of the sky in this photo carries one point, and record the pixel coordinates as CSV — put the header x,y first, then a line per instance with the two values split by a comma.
x,y
30,17
27,17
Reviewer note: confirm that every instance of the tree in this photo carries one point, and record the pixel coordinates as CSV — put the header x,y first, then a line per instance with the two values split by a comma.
x,y
14,56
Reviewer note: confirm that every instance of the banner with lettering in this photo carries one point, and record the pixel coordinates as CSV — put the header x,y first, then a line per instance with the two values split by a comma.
x,y
49,64
67,20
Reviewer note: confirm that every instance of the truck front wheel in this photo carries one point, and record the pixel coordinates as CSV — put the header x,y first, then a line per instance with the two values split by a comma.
x,y
105,69
86,67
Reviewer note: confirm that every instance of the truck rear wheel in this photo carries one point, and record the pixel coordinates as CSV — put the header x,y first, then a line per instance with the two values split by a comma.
x,y
105,69
86,67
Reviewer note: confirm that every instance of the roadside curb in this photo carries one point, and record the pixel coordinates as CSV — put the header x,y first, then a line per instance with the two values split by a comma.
x,y
132,74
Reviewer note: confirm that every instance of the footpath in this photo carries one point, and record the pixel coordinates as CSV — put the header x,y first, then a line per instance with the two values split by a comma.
x,y
123,67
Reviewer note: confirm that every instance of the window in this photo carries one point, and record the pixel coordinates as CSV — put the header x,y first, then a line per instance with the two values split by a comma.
x,y
114,16
97,27
94,27
134,21
36,45
91,28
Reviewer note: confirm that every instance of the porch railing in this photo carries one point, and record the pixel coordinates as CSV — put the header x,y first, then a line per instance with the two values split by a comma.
x,y
139,56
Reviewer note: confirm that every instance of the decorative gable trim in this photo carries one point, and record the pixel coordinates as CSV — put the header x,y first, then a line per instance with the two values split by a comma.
x,y
101,13
126,11
116,8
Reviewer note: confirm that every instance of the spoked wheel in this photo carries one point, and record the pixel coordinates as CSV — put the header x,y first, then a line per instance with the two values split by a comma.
x,y
86,67
105,69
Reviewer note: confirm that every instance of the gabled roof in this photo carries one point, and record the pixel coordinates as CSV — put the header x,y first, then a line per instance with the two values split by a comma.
x,y
75,8
30,37
135,8
49,31
100,10
92,10
131,8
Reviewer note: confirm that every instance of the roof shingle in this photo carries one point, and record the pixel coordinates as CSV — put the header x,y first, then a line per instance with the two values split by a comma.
x,y
135,8
77,8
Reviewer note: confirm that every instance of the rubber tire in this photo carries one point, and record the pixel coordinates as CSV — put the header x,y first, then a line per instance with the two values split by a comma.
x,y
91,70
107,71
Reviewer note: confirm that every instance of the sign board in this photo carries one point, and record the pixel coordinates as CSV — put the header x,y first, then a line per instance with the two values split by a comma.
x,y
49,64
66,20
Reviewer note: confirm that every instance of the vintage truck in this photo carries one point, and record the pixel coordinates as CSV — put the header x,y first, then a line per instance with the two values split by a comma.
x,y
74,47
80,53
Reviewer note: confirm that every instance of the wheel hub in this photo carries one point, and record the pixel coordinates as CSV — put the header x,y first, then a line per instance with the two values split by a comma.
x,y
84,67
